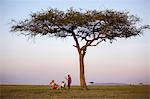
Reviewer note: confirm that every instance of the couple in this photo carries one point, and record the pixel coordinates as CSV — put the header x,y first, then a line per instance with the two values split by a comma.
x,y
53,85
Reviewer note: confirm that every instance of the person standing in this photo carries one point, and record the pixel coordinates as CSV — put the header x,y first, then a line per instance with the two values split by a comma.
x,y
69,81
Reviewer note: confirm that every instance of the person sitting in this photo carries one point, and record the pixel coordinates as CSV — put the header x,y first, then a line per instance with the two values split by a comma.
x,y
62,85
53,85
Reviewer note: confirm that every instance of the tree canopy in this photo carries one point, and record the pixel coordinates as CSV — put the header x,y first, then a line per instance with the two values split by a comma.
x,y
87,25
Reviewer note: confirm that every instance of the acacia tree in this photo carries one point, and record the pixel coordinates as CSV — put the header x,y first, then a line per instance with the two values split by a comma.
x,y
87,28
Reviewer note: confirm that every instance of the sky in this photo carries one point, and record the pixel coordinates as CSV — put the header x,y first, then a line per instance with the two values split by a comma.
x,y
42,59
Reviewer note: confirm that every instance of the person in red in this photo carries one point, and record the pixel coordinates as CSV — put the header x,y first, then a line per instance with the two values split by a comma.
x,y
69,81
53,85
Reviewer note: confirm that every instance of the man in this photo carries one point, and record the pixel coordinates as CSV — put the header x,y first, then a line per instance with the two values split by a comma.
x,y
69,81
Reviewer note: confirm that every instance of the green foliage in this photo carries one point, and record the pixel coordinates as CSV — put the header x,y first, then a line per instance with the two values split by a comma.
x,y
89,25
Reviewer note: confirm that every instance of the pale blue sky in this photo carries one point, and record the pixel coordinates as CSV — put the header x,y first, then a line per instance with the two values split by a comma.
x,y
39,60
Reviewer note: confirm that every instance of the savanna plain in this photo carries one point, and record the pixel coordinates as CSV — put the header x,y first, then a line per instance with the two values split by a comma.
x,y
93,92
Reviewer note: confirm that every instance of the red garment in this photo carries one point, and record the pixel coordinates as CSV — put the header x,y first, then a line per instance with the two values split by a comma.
x,y
54,87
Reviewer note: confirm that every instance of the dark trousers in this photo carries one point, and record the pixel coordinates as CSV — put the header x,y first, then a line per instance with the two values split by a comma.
x,y
69,85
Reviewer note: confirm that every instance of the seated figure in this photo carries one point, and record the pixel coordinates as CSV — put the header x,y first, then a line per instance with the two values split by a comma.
x,y
63,84
53,85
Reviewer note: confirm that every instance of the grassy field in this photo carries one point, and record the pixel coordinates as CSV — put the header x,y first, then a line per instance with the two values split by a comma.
x,y
94,92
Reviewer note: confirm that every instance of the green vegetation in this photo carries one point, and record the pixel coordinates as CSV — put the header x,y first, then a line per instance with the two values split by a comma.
x,y
94,92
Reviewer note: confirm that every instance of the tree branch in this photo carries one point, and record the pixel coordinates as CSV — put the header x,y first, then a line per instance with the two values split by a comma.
x,y
93,30
96,43
76,40
88,43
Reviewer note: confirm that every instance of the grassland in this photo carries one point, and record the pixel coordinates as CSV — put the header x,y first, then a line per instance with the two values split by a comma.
x,y
94,92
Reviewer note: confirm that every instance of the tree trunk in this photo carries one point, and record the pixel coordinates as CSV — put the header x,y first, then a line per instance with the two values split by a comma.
x,y
82,75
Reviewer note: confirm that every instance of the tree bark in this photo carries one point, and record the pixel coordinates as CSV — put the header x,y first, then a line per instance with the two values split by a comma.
x,y
81,61
82,73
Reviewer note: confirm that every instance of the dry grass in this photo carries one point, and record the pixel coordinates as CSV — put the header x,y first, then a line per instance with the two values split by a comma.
x,y
94,92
